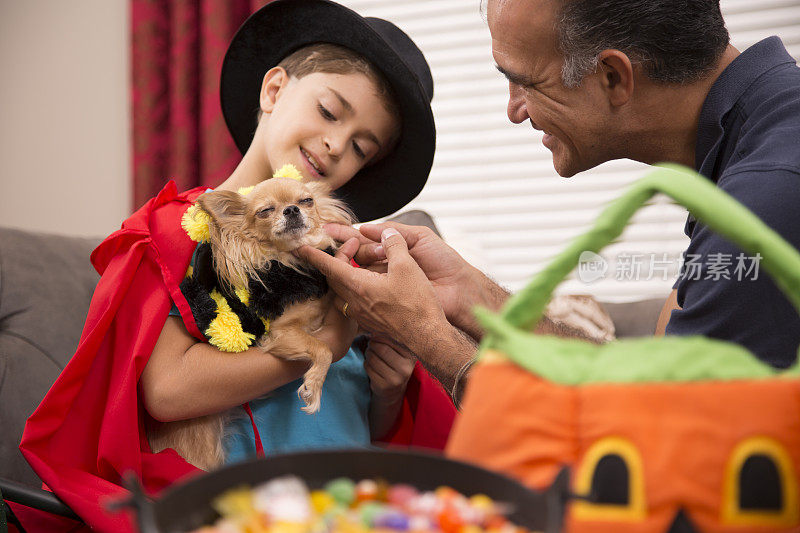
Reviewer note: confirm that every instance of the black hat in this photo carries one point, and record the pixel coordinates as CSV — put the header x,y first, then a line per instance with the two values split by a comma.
x,y
281,27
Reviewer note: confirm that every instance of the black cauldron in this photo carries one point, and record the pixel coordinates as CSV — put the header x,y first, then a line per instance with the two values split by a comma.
x,y
188,506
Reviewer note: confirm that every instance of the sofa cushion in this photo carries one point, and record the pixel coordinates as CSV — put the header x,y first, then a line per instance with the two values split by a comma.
x,y
46,282
635,319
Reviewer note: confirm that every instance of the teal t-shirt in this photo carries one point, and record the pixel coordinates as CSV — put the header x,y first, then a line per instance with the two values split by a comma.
x,y
341,422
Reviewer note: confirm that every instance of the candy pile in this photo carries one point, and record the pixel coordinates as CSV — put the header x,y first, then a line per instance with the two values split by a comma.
x,y
285,505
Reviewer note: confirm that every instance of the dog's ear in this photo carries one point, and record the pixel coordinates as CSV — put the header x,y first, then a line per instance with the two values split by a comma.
x,y
330,209
226,208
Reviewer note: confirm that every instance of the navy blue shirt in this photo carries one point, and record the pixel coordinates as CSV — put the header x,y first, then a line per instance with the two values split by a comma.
x,y
748,143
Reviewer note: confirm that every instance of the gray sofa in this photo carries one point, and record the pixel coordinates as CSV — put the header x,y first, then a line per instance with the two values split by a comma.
x,y
46,283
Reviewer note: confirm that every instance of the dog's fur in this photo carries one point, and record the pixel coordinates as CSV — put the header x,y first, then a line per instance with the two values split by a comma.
x,y
246,233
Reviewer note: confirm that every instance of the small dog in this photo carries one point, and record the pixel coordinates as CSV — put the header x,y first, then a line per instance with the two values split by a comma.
x,y
250,242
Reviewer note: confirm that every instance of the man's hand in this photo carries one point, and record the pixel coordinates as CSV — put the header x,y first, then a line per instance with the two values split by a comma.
x,y
399,303
579,317
458,285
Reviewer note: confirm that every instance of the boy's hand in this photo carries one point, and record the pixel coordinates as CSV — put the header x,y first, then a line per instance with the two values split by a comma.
x,y
389,368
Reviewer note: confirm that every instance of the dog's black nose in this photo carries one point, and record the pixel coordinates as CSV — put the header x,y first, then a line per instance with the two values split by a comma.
x,y
292,210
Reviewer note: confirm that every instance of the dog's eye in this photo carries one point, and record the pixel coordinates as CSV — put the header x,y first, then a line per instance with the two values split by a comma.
x,y
307,202
263,213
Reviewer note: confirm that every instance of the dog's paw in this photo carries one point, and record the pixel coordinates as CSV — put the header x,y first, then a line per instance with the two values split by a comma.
x,y
311,397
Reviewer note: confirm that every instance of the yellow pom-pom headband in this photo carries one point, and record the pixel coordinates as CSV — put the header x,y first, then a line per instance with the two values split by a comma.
x,y
288,171
195,220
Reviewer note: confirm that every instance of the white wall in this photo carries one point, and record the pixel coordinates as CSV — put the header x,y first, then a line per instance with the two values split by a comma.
x,y
64,119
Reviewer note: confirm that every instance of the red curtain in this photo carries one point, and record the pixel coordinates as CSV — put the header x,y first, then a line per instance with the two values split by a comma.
x,y
178,129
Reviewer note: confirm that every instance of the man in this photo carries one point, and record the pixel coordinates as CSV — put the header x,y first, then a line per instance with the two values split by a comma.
x,y
649,80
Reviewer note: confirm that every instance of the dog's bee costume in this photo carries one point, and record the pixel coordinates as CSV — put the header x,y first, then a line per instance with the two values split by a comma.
x,y
234,318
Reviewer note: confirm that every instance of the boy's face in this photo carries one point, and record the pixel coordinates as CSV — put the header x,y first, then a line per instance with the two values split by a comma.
x,y
329,126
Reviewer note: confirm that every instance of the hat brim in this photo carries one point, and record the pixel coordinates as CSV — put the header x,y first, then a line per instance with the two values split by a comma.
x,y
282,26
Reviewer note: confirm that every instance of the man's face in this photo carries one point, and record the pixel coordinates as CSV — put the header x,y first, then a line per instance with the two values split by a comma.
x,y
576,121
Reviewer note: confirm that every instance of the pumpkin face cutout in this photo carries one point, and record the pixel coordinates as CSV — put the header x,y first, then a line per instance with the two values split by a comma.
x,y
650,457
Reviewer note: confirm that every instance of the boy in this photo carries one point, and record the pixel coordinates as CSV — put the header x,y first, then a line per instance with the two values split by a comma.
x,y
326,110
335,126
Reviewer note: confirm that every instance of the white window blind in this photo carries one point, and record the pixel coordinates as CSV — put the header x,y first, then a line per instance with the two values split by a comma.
x,y
493,191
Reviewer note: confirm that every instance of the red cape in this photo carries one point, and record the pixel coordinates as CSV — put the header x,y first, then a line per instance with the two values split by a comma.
x,y
89,429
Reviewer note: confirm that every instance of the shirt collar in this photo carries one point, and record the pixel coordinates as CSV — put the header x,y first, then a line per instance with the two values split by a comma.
x,y
730,86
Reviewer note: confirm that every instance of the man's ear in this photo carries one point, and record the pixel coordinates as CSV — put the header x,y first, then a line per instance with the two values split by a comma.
x,y
616,76
273,83
226,208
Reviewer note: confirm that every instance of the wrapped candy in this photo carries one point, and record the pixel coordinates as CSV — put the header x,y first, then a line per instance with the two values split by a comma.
x,y
322,502
400,495
366,490
394,520
284,500
285,505
342,490
368,512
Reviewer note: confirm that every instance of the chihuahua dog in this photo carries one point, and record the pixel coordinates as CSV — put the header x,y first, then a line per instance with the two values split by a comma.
x,y
250,242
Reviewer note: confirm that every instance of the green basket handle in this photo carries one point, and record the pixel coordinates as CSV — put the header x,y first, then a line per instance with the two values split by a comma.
x,y
704,200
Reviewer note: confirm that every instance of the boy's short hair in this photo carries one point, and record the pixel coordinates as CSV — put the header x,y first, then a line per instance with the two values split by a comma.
x,y
334,59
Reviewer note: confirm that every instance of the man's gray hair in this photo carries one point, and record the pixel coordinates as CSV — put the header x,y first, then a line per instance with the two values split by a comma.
x,y
677,41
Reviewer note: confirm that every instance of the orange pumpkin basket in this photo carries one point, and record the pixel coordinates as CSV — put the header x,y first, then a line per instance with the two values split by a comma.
x,y
660,434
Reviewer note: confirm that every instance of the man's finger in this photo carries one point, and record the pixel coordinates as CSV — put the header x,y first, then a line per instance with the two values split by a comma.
x,y
411,234
396,248
370,250
566,309
587,327
370,253
341,275
347,250
341,233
